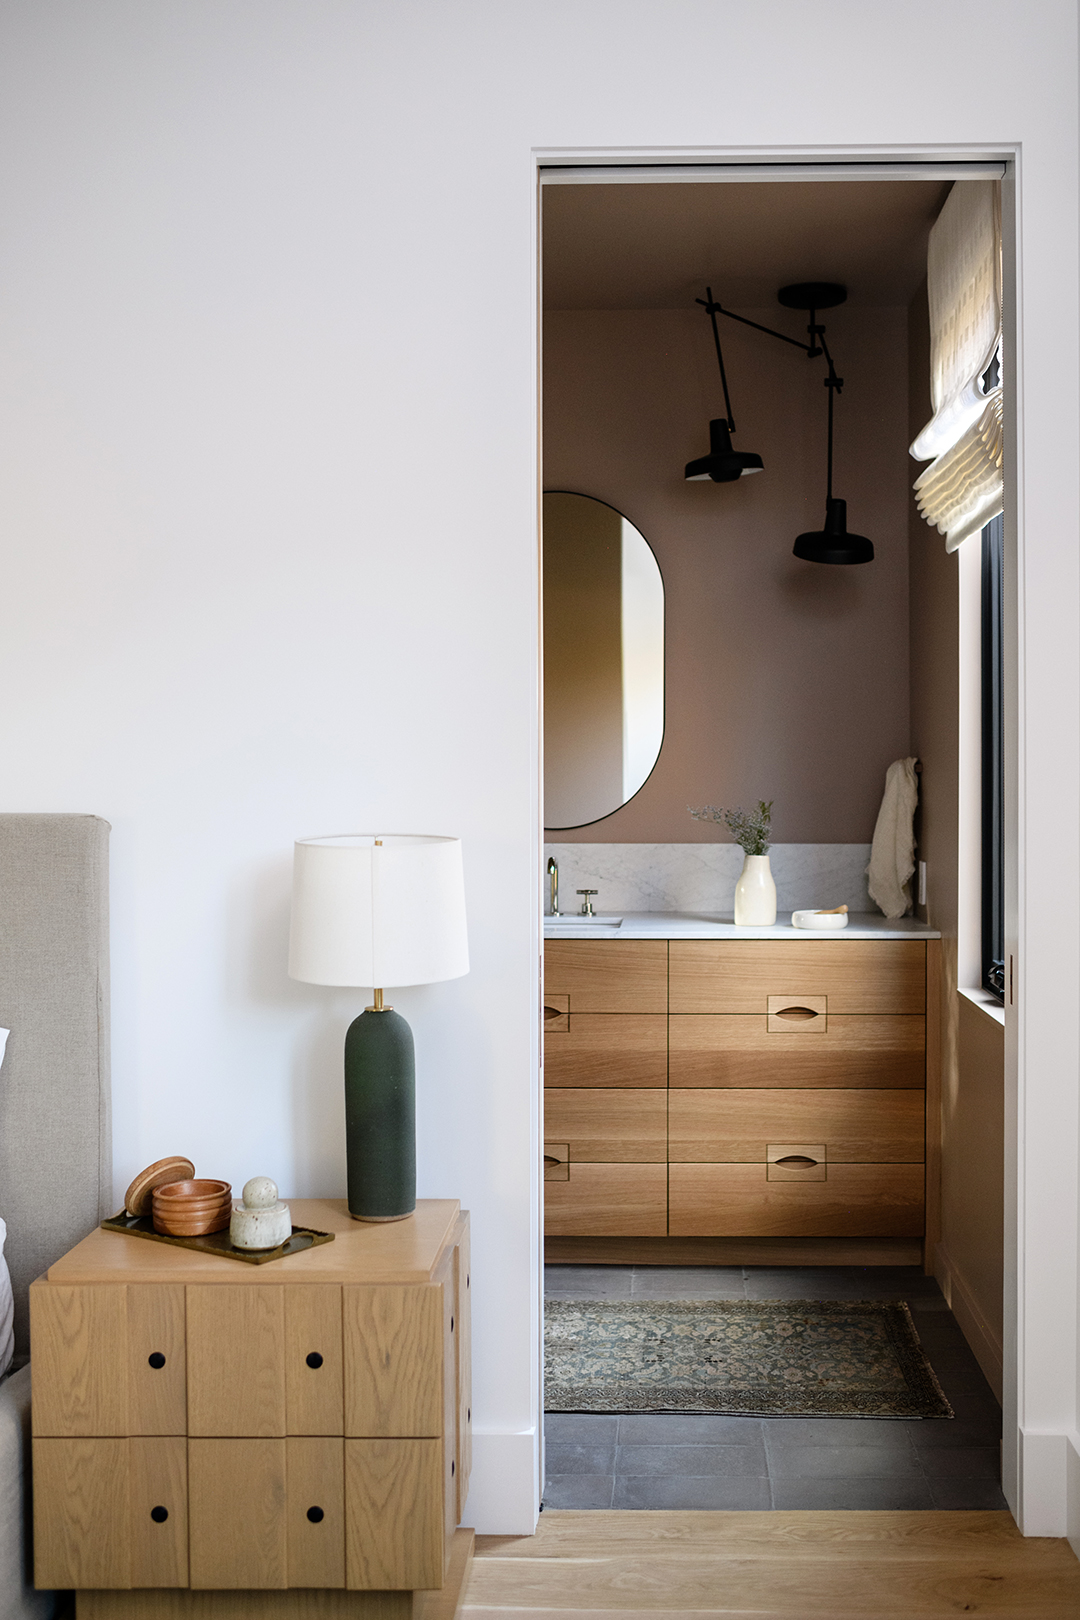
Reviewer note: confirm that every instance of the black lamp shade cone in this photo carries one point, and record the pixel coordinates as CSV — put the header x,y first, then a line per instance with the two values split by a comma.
x,y
723,464
833,544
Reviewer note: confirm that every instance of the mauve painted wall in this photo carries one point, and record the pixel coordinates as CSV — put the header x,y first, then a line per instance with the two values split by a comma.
x,y
786,680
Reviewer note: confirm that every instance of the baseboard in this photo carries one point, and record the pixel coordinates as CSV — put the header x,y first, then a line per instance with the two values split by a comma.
x,y
724,1251
1044,1483
1072,1490
986,1346
504,1483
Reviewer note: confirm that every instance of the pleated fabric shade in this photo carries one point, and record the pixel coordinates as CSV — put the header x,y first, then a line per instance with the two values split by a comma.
x,y
963,488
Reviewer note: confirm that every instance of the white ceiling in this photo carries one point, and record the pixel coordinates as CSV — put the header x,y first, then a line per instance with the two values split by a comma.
x,y
656,246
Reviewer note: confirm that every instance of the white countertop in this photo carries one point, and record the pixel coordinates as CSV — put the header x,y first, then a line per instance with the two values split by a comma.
x,y
715,925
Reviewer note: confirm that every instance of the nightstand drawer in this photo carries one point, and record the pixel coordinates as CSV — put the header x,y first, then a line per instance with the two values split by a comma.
x,y
608,1049
854,1126
108,1359
110,1513
394,1514
735,1049
238,1514
608,1200
855,976
738,1200
236,1360
608,1127
393,1360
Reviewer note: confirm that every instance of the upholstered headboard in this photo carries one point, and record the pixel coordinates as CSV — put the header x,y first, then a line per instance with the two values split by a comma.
x,y
55,1133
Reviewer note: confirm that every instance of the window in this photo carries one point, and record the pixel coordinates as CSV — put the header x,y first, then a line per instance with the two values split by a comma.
x,y
993,761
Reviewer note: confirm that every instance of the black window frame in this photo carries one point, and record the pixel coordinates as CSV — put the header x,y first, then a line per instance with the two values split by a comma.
x,y
993,759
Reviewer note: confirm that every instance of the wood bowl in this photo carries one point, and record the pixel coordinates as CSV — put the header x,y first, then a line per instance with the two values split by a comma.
x,y
137,1199
192,1208
199,1190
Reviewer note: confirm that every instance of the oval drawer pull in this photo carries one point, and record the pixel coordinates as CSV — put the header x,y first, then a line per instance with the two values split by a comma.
x,y
159,1514
797,1161
795,1013
549,1158
316,1515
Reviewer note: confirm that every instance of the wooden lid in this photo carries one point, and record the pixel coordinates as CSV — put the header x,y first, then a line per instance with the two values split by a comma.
x,y
138,1196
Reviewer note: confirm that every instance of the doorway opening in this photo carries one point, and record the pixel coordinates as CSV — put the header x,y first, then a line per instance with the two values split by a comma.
x,y
678,1110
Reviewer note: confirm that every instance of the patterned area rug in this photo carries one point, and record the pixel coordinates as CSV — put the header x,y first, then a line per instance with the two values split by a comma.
x,y
751,1358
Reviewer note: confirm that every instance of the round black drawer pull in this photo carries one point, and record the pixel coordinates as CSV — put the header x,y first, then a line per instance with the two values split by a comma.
x,y
156,1360
159,1514
468,1415
314,1360
451,1324
316,1515
452,1467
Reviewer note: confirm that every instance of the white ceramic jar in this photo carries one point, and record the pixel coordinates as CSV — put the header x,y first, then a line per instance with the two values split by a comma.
x,y
262,1221
755,894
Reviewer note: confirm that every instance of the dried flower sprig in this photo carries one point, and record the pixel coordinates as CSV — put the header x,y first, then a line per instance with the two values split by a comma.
x,y
752,829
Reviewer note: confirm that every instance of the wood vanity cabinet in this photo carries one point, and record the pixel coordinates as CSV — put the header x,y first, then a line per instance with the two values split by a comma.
x,y
735,1089
302,1424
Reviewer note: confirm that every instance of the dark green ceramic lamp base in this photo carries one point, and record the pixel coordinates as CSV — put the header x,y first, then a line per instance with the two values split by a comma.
x,y
380,1115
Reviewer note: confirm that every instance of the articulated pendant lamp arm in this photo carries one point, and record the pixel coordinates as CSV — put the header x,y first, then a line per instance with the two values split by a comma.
x,y
712,309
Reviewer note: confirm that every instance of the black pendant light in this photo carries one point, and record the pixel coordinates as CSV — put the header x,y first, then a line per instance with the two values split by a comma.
x,y
723,464
833,543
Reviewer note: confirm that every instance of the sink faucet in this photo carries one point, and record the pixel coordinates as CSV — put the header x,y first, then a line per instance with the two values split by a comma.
x,y
553,874
586,904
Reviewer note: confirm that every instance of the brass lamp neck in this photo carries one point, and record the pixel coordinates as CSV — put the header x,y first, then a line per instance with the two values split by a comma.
x,y
379,1005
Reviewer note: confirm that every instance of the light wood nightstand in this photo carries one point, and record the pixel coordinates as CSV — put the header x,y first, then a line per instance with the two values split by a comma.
x,y
205,1429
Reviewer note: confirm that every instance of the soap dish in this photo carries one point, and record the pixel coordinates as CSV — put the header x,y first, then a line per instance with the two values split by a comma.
x,y
824,921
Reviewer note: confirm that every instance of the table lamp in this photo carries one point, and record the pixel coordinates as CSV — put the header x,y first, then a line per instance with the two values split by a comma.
x,y
379,910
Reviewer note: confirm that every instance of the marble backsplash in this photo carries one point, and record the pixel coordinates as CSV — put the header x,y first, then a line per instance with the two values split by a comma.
x,y
702,877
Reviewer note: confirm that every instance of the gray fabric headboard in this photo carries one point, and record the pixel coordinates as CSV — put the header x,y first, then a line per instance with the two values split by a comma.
x,y
55,1131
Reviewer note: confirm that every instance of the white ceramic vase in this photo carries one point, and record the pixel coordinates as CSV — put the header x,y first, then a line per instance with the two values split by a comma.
x,y
755,894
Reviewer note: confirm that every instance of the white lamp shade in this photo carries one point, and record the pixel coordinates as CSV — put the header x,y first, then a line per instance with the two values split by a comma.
x,y
378,909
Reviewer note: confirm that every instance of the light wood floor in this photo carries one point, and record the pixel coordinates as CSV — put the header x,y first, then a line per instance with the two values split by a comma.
x,y
773,1566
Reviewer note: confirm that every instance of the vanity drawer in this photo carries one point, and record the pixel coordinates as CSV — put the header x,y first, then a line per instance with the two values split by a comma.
x,y
608,1127
855,976
607,1049
608,1200
737,1200
711,1049
854,1126
608,975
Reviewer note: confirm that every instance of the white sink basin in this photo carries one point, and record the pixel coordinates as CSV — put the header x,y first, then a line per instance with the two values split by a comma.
x,y
566,923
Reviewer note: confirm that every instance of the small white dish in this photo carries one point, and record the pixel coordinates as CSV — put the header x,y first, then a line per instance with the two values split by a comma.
x,y
821,921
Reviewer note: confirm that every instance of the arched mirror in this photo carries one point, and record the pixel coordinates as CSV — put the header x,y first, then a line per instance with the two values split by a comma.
x,y
603,660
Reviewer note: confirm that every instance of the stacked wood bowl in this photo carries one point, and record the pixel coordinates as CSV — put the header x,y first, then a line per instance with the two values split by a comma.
x,y
191,1208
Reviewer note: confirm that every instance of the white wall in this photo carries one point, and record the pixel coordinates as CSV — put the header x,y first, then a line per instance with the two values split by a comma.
x,y
268,439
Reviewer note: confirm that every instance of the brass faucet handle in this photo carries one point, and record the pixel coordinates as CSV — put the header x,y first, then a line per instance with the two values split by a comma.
x,y
586,904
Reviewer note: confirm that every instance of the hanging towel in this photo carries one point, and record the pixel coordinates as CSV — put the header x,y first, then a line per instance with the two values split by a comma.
x,y
892,857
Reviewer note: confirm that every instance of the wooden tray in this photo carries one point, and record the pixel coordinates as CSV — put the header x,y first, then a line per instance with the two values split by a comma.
x,y
141,1226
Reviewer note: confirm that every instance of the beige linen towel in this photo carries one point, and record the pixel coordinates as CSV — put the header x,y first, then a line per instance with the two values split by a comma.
x,y
892,856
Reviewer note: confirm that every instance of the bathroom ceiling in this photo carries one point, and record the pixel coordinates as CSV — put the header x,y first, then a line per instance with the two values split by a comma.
x,y
656,246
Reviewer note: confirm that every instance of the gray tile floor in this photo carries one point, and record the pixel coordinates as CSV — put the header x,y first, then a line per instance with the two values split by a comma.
x,y
664,1461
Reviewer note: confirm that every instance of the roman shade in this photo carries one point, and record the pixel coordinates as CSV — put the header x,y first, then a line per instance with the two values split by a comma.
x,y
962,488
